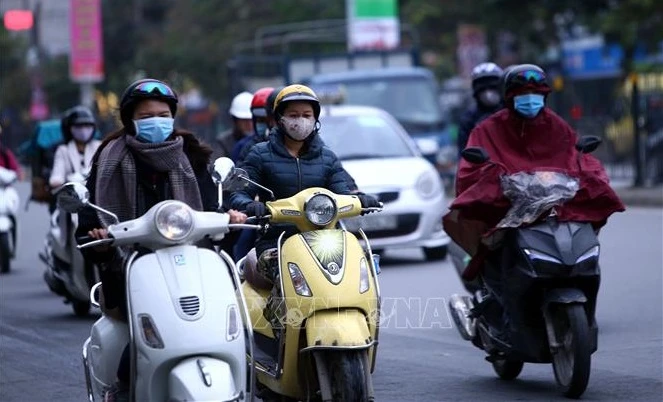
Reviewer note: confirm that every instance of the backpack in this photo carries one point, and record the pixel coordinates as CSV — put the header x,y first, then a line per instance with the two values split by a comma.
x,y
44,143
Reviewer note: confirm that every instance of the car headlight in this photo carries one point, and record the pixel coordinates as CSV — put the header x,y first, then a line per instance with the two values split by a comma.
x,y
428,185
174,221
320,209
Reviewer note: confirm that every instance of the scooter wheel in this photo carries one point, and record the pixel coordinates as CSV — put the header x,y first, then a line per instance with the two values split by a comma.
x,y
5,253
81,308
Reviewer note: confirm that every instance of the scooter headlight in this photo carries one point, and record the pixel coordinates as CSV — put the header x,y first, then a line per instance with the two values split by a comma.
x,y
150,332
591,253
298,280
174,221
363,276
320,209
537,255
232,323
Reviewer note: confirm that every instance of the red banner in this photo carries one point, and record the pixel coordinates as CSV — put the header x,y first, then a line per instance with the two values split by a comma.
x,y
86,59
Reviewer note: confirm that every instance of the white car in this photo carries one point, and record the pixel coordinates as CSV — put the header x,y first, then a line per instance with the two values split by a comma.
x,y
384,161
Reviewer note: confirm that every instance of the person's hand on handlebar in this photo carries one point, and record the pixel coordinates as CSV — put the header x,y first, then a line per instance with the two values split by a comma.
x,y
368,201
256,208
237,216
99,234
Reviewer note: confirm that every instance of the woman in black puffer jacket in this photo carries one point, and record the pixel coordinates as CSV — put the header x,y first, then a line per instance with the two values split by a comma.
x,y
293,159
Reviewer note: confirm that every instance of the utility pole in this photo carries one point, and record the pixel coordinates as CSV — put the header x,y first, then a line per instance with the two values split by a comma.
x,y
638,148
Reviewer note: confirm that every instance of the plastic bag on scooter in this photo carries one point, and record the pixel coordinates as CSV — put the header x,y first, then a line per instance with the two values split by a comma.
x,y
532,194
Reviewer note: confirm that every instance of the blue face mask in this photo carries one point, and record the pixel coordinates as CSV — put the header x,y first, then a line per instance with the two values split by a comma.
x,y
261,129
528,105
154,129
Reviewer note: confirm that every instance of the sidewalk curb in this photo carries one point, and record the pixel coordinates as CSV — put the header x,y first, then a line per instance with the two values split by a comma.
x,y
650,197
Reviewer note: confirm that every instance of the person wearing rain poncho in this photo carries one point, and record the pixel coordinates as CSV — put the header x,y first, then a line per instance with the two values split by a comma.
x,y
525,137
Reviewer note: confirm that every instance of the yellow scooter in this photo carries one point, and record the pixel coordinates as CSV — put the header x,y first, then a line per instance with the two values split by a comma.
x,y
328,305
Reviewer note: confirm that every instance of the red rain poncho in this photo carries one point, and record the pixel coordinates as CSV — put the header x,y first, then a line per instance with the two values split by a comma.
x,y
545,142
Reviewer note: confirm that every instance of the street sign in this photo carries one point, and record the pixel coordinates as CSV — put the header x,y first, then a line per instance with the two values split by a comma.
x,y
86,60
372,25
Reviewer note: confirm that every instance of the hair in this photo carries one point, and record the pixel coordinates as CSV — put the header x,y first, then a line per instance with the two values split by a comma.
x,y
196,150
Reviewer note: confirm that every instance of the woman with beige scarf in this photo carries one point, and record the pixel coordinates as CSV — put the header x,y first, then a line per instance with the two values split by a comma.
x,y
144,163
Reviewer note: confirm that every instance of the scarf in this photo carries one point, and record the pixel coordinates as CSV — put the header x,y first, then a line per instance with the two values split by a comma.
x,y
116,185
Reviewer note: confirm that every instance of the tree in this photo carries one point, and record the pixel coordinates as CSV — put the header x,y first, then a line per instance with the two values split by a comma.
x,y
14,81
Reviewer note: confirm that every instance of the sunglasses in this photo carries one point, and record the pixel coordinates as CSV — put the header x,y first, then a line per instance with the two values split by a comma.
x,y
154,88
527,76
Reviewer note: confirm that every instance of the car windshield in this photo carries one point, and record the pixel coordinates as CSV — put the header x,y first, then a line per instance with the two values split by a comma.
x,y
410,100
363,137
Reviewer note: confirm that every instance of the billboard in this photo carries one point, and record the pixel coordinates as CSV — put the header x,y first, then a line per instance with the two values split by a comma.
x,y
472,48
372,25
86,60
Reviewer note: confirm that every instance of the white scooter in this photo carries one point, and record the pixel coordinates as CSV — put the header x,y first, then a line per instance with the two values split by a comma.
x,y
188,328
9,204
67,273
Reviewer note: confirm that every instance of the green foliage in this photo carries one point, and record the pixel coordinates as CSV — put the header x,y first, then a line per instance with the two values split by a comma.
x,y
189,42
62,93
14,79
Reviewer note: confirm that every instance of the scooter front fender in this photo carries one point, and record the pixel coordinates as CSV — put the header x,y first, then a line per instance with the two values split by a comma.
x,y
338,329
5,223
203,379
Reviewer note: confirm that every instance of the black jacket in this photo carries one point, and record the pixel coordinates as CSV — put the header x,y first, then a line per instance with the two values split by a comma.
x,y
469,120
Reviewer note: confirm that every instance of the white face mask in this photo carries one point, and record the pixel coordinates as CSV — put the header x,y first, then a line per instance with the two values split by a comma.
x,y
299,128
82,133
489,97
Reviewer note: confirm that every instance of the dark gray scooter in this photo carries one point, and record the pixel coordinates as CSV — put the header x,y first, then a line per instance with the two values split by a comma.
x,y
535,302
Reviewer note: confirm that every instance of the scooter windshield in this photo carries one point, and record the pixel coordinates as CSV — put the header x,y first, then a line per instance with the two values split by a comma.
x,y
532,194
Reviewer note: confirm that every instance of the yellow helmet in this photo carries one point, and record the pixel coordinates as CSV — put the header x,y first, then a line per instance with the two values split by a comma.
x,y
296,92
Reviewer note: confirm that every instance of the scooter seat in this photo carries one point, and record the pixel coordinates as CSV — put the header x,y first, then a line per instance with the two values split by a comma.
x,y
251,273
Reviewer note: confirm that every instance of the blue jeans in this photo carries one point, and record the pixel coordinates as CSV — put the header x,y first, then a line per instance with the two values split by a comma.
x,y
246,241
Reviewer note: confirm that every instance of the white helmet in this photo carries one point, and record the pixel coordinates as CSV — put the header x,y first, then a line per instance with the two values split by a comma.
x,y
241,106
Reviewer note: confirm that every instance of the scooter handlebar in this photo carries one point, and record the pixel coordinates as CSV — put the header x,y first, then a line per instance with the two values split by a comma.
x,y
84,239
255,220
87,242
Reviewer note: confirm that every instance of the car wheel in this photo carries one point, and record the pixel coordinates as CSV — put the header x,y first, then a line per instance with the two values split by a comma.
x,y
435,253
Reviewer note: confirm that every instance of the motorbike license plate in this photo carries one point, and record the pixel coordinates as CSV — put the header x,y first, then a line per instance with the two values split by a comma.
x,y
372,223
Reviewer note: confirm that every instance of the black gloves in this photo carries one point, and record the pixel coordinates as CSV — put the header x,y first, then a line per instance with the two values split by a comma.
x,y
368,201
256,208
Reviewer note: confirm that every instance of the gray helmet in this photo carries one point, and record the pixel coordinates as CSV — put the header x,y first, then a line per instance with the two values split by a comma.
x,y
486,75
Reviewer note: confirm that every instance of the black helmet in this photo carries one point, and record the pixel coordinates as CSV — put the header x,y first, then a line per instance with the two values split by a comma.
x,y
526,75
145,89
269,105
77,115
486,75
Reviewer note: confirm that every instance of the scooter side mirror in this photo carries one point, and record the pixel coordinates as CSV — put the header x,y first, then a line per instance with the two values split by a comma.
x,y
222,170
475,155
588,144
72,197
